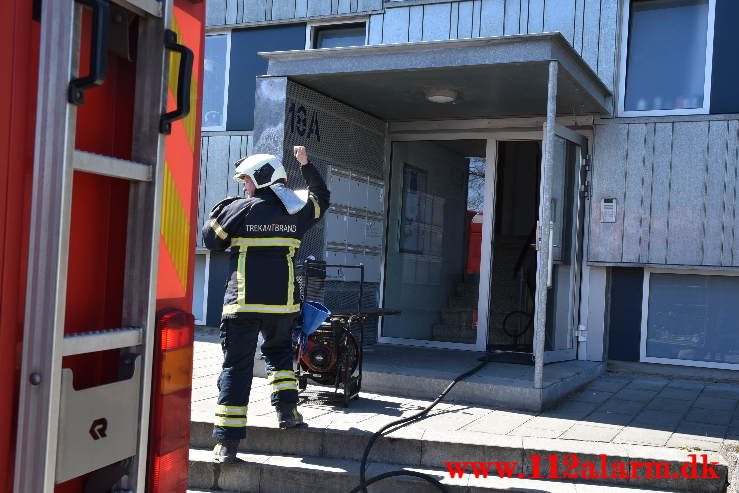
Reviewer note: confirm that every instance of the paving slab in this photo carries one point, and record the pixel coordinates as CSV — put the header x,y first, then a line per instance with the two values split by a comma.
x,y
611,411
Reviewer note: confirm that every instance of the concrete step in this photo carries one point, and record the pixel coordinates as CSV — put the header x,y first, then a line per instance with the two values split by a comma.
x,y
461,317
469,302
428,449
453,333
260,473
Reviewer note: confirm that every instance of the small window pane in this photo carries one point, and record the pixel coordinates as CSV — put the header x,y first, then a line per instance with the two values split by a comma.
x,y
340,35
214,82
693,318
666,54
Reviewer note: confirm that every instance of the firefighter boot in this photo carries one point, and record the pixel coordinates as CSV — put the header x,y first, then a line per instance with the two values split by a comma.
x,y
288,415
225,452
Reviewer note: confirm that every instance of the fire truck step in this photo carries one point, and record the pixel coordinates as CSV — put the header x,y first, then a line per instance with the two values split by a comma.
x,y
110,166
102,340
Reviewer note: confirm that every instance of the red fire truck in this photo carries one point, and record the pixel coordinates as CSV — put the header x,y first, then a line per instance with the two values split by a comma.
x,y
99,142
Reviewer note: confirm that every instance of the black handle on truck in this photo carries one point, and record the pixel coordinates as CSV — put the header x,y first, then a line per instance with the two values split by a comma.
x,y
184,77
98,52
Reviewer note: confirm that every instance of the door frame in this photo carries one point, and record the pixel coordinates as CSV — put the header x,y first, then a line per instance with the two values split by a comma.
x,y
576,276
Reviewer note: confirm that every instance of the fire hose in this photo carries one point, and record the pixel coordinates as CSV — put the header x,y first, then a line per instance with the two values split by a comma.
x,y
364,482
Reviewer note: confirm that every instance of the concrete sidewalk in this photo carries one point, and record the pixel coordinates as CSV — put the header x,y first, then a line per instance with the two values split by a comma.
x,y
612,409
627,418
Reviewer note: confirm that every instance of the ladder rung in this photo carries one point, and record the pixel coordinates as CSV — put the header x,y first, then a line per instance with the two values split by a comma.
x,y
110,166
102,340
151,7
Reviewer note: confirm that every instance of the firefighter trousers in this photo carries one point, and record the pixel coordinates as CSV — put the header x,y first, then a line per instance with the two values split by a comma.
x,y
239,343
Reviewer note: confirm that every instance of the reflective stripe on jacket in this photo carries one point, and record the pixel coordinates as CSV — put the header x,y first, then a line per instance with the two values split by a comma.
x,y
263,239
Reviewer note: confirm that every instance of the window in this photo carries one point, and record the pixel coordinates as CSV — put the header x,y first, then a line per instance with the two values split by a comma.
x,y
248,65
666,64
215,81
338,35
690,318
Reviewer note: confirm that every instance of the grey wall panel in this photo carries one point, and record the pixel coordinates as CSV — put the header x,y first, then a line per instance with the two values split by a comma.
x,y
560,16
609,158
661,175
202,214
436,19
319,8
476,7
234,154
464,23
607,45
301,8
268,9
492,17
283,9
713,197
369,5
345,6
646,185
633,206
591,33
231,11
579,23
731,252
215,14
676,186
535,22
523,22
395,26
685,215
454,22
374,30
217,171
415,23
512,20
254,11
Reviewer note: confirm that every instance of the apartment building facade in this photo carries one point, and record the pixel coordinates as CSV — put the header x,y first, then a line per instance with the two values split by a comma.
x,y
548,177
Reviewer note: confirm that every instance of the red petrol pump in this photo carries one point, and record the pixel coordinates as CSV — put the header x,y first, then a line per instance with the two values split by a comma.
x,y
100,145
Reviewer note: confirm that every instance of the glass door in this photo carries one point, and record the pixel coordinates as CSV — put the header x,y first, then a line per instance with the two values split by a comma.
x,y
565,245
434,243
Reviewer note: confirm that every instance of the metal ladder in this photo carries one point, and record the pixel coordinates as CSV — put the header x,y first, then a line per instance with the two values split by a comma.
x,y
53,442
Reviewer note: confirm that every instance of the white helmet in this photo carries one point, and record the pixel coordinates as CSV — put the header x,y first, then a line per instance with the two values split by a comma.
x,y
263,169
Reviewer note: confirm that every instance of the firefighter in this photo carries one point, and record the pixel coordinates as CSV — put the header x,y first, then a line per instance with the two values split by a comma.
x,y
263,232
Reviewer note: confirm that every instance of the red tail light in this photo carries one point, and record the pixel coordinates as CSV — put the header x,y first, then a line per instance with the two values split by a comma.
x,y
169,431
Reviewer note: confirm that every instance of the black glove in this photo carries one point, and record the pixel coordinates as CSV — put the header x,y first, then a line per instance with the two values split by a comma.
x,y
216,210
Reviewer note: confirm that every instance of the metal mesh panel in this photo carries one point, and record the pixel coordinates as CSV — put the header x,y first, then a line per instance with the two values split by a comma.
x,y
342,297
340,137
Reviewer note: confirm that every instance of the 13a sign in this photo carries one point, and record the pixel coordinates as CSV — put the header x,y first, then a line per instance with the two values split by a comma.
x,y
304,123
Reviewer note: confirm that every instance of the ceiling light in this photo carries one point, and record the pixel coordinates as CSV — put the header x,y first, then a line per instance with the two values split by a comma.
x,y
441,95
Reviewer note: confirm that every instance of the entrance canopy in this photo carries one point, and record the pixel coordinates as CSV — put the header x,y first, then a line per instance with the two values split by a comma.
x,y
492,77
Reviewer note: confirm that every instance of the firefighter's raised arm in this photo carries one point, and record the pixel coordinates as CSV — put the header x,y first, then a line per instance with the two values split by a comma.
x,y
216,234
319,194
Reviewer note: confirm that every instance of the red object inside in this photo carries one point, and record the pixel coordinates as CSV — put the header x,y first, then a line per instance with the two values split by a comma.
x,y
474,242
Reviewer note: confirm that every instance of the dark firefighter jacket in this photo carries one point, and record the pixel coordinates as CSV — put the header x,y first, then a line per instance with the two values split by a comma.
x,y
263,239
